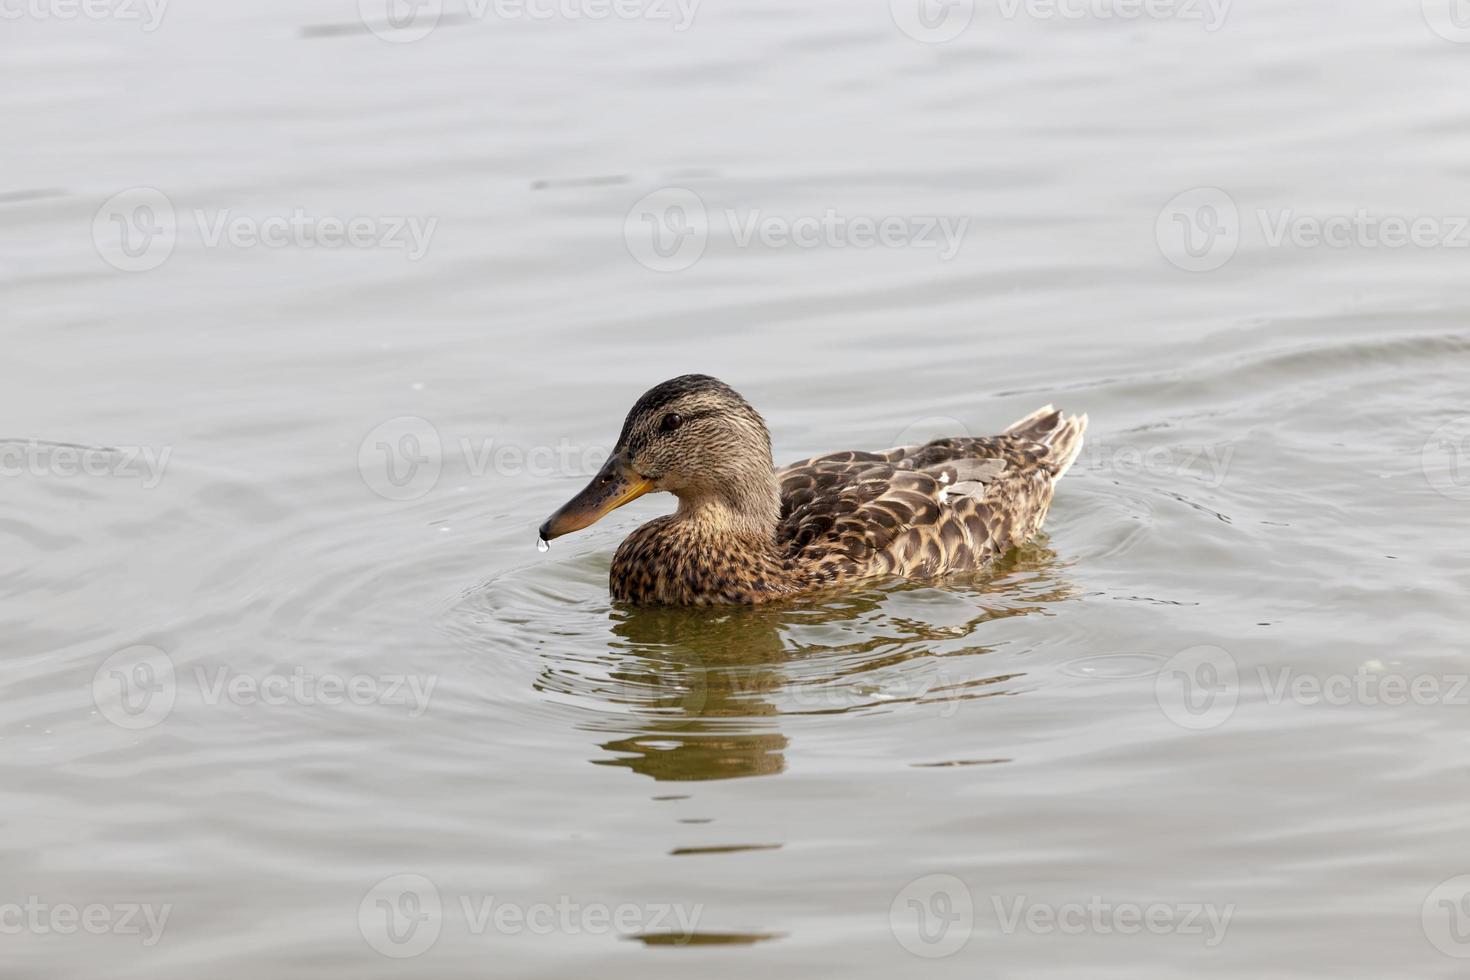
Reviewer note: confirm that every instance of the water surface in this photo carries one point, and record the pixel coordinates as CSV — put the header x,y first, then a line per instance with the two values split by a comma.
x,y
304,681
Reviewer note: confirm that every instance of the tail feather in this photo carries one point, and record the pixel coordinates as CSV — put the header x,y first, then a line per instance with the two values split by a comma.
x,y
1066,443
1036,426
1063,435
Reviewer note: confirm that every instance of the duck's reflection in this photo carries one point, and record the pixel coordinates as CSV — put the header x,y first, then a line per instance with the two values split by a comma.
x,y
705,679
699,694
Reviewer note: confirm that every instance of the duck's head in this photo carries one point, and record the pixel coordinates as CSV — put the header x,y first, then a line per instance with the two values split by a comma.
x,y
694,437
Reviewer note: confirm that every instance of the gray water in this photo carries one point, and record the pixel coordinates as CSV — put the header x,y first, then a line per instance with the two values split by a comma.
x,y
288,691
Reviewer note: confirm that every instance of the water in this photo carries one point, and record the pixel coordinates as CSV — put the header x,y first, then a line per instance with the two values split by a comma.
x,y
283,664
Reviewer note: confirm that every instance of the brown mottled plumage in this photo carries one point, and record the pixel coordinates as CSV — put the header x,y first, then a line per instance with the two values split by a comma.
x,y
747,533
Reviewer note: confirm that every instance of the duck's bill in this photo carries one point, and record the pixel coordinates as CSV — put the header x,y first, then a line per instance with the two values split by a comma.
x,y
613,486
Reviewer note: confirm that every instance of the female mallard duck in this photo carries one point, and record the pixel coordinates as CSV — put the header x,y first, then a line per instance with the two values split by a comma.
x,y
746,533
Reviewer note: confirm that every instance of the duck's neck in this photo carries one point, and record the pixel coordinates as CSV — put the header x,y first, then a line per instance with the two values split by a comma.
x,y
745,513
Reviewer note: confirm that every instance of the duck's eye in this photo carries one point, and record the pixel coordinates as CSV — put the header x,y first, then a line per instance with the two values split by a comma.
x,y
671,422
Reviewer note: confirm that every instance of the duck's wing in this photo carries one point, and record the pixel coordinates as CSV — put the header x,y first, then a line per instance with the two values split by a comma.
x,y
916,511
844,518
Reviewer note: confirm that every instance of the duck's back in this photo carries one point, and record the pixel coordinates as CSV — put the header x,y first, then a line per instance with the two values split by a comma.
x,y
918,511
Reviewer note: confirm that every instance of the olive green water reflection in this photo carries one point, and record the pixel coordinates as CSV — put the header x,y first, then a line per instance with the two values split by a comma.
x,y
705,691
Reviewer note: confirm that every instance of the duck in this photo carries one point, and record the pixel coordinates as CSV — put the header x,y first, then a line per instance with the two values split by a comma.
x,y
747,532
